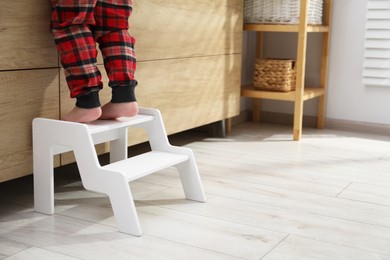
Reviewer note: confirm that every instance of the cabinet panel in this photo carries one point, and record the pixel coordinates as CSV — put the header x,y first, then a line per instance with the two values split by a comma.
x,y
24,96
26,40
178,28
200,91
195,28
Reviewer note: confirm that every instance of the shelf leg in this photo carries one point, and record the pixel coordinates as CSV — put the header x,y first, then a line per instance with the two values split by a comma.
x,y
321,113
256,110
301,65
298,120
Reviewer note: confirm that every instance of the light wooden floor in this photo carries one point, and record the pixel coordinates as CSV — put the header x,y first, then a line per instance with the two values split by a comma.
x,y
325,197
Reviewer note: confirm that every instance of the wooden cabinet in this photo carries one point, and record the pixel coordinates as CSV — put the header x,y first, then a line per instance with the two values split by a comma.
x,y
302,92
188,67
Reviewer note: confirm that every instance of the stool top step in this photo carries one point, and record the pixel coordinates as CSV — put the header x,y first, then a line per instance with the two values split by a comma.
x,y
106,125
61,134
97,126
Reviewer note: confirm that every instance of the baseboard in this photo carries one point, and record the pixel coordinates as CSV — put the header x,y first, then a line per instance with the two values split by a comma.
x,y
311,121
273,118
243,117
359,127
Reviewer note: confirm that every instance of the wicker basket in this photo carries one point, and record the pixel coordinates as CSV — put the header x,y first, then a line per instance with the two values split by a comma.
x,y
281,11
275,75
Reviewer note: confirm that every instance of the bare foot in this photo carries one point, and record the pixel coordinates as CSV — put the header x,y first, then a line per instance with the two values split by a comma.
x,y
115,110
82,115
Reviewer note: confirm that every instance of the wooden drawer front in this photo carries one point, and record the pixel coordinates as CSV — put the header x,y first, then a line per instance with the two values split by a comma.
x,y
26,40
24,96
180,28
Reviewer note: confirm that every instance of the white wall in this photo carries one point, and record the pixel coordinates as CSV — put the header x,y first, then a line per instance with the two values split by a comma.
x,y
348,99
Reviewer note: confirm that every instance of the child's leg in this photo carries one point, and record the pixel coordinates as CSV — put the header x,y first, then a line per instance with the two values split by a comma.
x,y
71,22
117,48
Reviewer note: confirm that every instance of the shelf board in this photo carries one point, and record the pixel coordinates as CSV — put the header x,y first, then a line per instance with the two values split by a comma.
x,y
309,93
283,28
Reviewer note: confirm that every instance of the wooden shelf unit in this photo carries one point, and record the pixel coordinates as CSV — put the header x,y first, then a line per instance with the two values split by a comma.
x,y
301,93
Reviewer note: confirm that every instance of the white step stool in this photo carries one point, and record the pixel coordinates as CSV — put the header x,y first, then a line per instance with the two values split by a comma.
x,y
51,137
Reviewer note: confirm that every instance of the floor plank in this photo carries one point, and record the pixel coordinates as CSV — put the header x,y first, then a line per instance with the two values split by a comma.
x,y
298,248
9,247
268,197
376,194
288,220
39,253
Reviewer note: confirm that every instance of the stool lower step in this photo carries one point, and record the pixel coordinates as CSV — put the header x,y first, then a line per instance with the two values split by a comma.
x,y
145,164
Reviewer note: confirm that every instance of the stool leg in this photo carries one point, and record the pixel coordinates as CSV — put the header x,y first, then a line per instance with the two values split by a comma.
x,y
118,147
123,205
190,179
43,180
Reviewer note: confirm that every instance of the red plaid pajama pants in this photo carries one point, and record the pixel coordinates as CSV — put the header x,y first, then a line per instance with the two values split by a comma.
x,y
77,25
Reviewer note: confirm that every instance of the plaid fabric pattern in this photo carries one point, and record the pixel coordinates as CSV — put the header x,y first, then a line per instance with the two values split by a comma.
x,y
77,25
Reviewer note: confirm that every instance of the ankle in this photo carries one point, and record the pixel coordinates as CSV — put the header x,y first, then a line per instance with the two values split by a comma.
x,y
89,100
